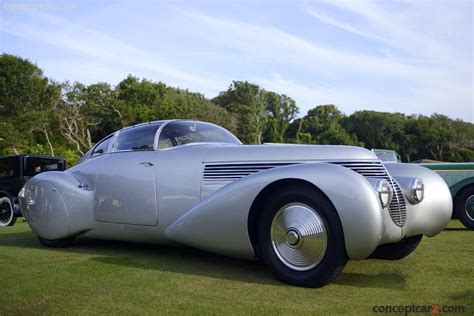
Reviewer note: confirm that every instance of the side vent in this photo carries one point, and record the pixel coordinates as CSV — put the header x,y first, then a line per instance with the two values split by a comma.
x,y
232,172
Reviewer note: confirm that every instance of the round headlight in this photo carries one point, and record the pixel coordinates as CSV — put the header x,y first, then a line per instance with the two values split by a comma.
x,y
417,190
385,192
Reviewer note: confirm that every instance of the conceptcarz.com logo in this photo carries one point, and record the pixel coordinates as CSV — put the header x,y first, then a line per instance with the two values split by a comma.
x,y
22,6
435,309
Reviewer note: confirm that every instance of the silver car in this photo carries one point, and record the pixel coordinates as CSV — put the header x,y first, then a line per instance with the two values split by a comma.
x,y
303,209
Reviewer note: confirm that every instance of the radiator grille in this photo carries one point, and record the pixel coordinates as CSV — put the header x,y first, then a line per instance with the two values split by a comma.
x,y
231,172
397,208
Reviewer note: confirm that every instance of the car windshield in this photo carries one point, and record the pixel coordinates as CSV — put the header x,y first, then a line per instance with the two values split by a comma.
x,y
178,133
387,156
84,157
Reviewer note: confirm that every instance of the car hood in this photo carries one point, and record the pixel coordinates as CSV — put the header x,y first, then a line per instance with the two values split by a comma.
x,y
286,152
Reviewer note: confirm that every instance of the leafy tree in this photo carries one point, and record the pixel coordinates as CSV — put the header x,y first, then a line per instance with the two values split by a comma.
x,y
406,141
101,100
248,102
38,115
281,110
27,99
376,129
434,137
76,116
464,142
323,123
143,100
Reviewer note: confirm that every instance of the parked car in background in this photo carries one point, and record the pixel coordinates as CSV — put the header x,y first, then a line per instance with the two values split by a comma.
x,y
458,175
14,172
460,179
303,209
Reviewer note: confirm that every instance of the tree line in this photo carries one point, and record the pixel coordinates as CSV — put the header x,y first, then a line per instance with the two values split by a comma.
x,y
40,115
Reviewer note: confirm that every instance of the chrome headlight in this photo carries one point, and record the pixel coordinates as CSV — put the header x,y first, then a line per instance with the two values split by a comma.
x,y
21,194
385,192
30,194
417,190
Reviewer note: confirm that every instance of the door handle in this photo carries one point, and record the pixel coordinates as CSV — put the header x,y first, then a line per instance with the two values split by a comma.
x,y
146,163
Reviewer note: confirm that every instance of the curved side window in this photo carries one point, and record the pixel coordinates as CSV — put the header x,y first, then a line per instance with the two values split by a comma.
x,y
141,137
179,133
101,148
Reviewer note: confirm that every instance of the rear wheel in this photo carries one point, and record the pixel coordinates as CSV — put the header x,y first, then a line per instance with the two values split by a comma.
x,y
464,207
57,243
7,214
301,238
397,251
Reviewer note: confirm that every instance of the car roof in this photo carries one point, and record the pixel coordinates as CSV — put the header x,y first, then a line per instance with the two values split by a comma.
x,y
162,122
142,124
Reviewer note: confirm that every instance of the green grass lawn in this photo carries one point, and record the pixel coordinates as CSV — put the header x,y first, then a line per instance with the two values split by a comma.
x,y
112,277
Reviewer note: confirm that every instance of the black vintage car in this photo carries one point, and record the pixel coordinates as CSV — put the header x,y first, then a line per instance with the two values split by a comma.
x,y
14,172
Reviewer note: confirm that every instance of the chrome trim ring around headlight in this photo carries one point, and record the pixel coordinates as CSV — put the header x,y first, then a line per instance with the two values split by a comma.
x,y
417,190
299,236
385,191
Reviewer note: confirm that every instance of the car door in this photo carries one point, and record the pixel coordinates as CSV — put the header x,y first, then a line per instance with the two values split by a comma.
x,y
10,174
125,182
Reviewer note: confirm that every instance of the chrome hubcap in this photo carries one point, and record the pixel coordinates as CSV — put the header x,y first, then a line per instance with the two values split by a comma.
x,y
469,207
299,236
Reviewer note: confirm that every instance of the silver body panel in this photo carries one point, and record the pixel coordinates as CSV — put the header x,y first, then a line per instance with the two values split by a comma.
x,y
178,196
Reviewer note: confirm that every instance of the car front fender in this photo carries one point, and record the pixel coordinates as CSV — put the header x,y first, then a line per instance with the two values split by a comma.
x,y
219,222
432,215
57,205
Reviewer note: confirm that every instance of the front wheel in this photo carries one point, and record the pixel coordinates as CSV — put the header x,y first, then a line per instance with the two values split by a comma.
x,y
464,207
7,214
301,238
398,250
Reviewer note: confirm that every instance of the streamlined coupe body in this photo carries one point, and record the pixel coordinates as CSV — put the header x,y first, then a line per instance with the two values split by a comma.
x,y
304,209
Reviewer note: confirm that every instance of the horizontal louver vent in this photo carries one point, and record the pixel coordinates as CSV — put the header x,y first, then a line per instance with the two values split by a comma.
x,y
367,169
232,172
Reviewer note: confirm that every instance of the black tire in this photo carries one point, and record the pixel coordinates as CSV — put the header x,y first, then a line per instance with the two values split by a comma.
x,y
7,212
398,250
463,210
335,257
57,243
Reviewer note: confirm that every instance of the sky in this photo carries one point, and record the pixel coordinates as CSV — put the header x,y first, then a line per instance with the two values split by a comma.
x,y
414,57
